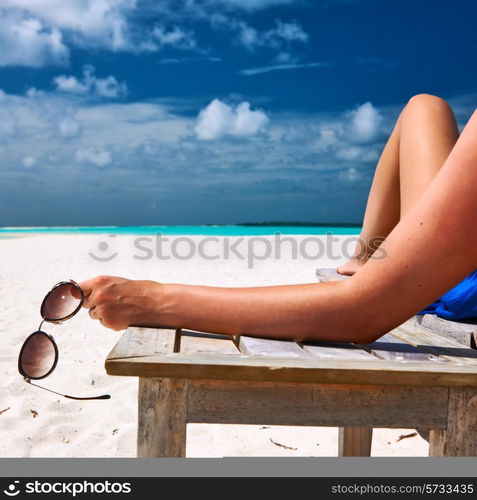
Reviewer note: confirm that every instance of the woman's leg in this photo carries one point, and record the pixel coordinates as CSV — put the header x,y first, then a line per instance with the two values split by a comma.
x,y
421,141
383,206
428,134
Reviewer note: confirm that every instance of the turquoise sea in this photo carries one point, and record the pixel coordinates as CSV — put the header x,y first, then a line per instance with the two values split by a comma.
x,y
208,230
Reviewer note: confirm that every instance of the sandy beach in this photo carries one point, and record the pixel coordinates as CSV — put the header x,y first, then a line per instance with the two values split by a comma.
x,y
35,423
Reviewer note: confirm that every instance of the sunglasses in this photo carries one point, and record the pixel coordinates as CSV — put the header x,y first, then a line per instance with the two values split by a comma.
x,y
39,354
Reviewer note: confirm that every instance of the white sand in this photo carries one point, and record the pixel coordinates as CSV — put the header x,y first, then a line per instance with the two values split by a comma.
x,y
64,428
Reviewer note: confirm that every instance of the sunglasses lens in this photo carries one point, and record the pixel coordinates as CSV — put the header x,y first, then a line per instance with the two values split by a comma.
x,y
38,356
61,302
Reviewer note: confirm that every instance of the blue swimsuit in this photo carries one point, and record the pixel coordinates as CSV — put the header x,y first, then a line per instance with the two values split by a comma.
x,y
458,303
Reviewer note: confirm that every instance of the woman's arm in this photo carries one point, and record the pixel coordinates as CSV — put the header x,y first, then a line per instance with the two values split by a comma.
x,y
429,251
291,311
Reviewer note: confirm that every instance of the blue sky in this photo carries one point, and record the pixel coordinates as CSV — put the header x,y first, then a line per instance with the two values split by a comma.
x,y
134,112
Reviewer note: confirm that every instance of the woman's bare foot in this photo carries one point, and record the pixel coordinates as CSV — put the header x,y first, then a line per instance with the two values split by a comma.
x,y
351,267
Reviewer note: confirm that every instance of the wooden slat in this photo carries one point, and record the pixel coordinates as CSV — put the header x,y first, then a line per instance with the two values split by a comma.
x,y
233,367
425,340
137,341
197,342
333,351
271,348
266,403
463,333
390,347
325,275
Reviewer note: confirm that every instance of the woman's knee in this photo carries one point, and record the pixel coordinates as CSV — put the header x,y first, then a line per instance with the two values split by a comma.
x,y
425,102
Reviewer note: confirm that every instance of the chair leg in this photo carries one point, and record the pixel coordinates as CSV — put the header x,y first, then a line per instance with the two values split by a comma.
x,y
459,439
355,441
162,418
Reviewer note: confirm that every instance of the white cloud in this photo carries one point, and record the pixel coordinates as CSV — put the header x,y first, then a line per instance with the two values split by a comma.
x,y
219,119
33,92
350,175
8,124
39,33
29,161
356,153
256,4
181,60
364,123
354,136
70,84
285,57
26,41
176,37
62,128
68,127
41,123
283,33
249,36
151,146
97,156
289,31
107,87
280,67
116,25
100,23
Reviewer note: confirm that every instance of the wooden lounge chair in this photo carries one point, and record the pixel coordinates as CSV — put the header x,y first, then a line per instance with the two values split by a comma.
x,y
421,375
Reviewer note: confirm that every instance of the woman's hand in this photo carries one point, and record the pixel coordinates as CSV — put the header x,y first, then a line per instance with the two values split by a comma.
x,y
118,302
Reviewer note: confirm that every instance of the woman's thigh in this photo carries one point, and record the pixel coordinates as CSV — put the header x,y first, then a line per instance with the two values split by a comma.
x,y
428,134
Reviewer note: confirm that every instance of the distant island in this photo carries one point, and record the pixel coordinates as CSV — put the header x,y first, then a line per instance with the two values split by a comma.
x,y
301,224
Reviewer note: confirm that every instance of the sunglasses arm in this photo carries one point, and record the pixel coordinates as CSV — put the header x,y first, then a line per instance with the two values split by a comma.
x,y
104,396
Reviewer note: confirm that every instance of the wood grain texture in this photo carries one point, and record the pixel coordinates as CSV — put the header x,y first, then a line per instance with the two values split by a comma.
x,y
355,441
162,418
197,342
315,405
392,348
329,274
137,341
233,367
463,333
271,348
459,439
425,340
333,351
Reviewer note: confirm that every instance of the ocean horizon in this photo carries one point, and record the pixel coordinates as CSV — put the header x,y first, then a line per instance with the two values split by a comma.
x,y
246,229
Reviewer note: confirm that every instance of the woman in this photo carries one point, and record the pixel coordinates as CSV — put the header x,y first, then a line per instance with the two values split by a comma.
x,y
423,200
